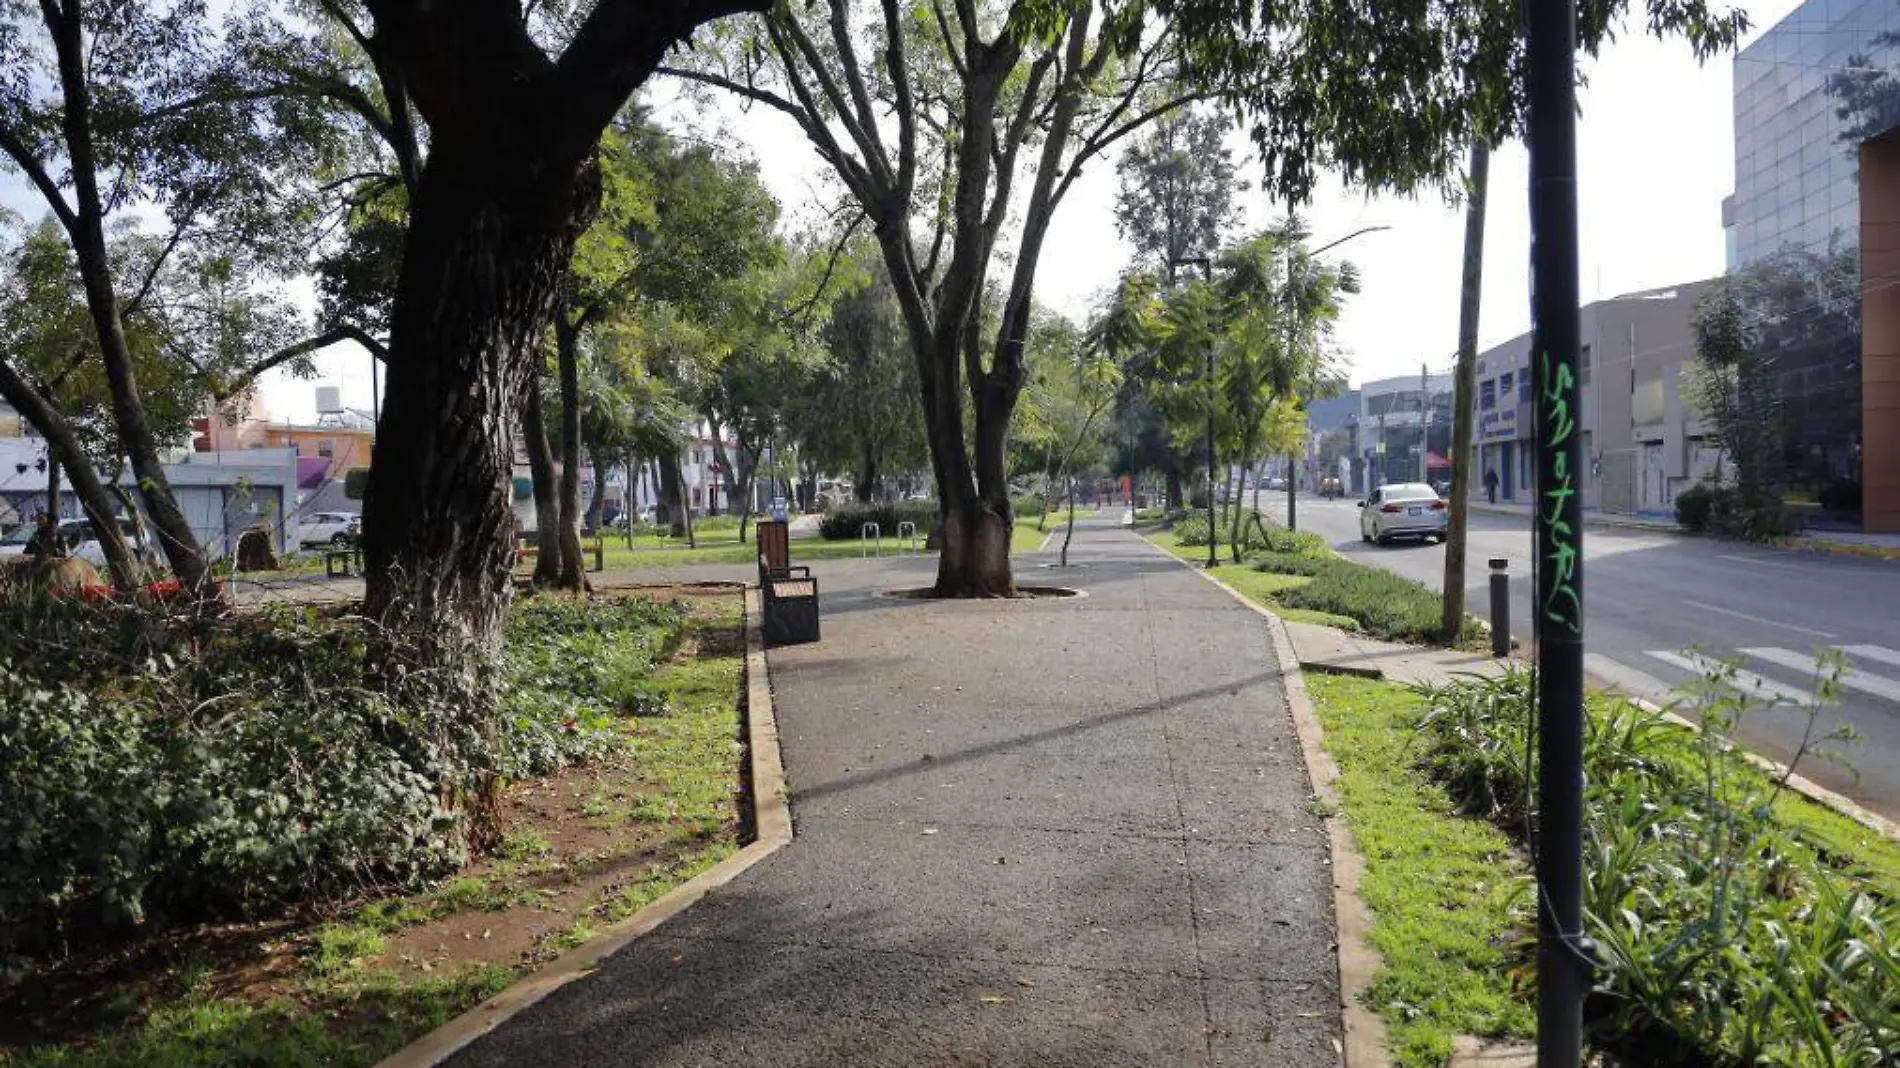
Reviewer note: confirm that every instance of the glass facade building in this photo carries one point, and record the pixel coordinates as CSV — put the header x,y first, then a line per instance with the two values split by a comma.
x,y
1793,224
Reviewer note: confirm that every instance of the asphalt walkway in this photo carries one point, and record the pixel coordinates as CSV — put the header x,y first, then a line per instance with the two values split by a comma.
x,y
1040,832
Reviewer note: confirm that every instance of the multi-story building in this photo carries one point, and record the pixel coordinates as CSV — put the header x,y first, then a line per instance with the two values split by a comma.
x,y
1400,423
1641,443
1817,174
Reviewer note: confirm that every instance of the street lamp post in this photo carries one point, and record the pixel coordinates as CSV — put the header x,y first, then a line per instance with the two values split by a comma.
x,y
1306,390
1207,275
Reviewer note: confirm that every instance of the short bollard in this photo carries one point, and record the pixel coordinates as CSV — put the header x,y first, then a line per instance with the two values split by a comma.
x,y
1500,607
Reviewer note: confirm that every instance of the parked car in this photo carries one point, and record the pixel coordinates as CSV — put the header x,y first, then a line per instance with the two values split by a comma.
x,y
1330,488
1402,510
1276,482
336,530
76,538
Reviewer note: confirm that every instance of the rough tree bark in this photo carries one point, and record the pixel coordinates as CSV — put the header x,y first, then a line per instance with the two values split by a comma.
x,y
511,181
573,572
547,501
1464,394
63,450
595,506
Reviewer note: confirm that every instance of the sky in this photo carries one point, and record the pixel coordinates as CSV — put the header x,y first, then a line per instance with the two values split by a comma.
x,y
1655,158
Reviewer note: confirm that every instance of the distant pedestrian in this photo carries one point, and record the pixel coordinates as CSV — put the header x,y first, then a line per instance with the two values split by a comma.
x,y
1491,486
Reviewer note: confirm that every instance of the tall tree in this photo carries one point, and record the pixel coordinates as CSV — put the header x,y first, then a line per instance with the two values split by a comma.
x,y
510,182
862,416
930,142
111,105
1176,198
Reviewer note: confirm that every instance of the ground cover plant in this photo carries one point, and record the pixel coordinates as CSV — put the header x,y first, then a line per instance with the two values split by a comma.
x,y
336,942
1737,922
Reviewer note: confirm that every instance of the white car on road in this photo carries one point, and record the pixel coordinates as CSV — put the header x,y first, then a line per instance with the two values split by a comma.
x,y
330,530
1403,510
77,539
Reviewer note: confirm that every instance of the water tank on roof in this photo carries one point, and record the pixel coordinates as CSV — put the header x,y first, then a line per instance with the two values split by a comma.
x,y
329,400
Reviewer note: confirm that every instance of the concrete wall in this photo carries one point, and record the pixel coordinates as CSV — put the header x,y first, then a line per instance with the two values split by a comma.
x,y
1880,333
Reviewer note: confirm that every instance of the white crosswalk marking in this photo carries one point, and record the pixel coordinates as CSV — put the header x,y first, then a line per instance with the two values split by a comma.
x,y
1874,652
1854,679
1697,664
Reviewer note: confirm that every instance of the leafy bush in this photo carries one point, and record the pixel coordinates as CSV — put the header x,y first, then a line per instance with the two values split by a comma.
x,y
1191,529
1693,506
1724,935
1027,506
1721,510
161,768
847,524
1383,604
356,483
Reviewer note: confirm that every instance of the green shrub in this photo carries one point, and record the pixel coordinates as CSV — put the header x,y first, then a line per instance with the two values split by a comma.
x,y
1721,510
159,768
356,483
1027,506
1724,936
1191,529
1383,604
847,524
1693,506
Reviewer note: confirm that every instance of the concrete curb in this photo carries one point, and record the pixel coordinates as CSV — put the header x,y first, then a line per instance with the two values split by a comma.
x,y
1363,1031
1597,520
771,816
1823,547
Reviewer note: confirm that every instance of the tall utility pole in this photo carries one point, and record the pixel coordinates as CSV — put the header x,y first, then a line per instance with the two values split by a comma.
x,y
1464,393
1564,968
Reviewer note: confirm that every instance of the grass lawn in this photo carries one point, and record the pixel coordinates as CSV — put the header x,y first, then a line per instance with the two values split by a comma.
x,y
1447,892
1259,587
348,984
1313,584
724,547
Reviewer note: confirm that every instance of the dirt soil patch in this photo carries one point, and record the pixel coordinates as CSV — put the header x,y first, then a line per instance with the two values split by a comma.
x,y
350,982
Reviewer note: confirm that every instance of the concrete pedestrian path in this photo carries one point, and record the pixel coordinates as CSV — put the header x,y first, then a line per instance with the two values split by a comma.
x,y
1038,832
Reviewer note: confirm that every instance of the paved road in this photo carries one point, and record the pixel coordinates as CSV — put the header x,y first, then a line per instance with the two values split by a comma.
x,y
1049,833
1651,597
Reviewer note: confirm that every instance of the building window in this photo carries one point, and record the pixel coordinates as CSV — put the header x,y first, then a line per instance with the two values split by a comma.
x,y
699,457
1504,387
1487,394
326,449
1583,367
1524,387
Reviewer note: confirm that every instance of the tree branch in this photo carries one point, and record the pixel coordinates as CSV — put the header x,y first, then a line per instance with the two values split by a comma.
x,y
224,391
831,265
36,173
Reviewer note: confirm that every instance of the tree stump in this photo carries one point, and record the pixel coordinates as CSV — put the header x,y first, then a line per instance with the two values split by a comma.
x,y
255,551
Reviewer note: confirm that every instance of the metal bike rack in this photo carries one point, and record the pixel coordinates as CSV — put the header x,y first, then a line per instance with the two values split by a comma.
x,y
908,529
870,532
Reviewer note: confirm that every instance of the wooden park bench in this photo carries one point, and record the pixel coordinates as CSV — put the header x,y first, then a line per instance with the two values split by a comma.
x,y
789,593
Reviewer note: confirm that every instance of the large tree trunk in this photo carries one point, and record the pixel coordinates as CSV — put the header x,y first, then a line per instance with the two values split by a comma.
x,y
547,499
52,484
491,230
573,574
599,503
63,449
1174,488
673,493
867,474
1464,395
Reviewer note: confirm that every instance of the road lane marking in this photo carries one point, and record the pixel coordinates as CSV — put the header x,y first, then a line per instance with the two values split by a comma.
x,y
1874,652
1758,619
1756,561
1853,679
1696,664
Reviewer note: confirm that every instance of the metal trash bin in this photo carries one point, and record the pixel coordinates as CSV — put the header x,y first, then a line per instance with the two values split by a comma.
x,y
791,609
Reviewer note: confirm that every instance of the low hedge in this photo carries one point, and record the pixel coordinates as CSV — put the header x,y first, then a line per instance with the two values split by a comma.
x,y
847,524
1383,604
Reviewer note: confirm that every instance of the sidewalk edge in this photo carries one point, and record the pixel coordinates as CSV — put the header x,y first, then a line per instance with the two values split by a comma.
x,y
771,815
1363,1032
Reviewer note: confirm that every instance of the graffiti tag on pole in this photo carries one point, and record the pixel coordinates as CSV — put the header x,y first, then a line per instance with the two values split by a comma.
x,y
1561,606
